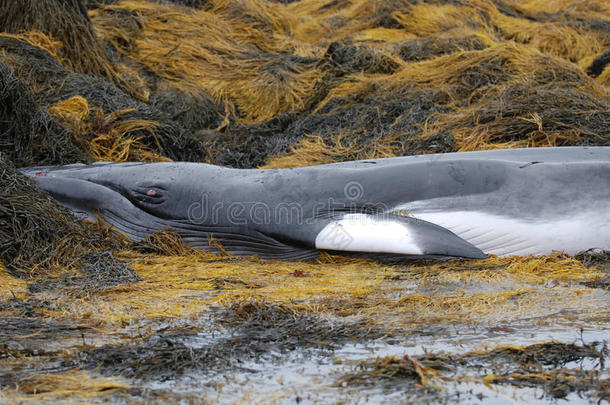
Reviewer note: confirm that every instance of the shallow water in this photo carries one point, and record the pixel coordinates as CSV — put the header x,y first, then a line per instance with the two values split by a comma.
x,y
312,376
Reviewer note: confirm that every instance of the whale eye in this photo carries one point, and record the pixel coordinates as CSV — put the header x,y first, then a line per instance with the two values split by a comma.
x,y
147,195
150,197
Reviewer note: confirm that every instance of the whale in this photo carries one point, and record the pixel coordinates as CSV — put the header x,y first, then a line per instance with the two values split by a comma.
x,y
530,201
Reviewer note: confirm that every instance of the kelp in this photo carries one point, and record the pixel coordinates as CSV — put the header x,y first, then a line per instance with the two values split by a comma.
x,y
28,135
68,23
37,234
599,64
245,309
274,75
106,137
207,50
527,366
523,115
102,119
269,79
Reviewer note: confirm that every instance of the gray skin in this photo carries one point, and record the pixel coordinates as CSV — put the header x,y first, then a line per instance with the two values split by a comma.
x,y
278,213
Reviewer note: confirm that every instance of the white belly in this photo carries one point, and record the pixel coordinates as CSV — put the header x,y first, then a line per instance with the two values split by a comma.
x,y
508,236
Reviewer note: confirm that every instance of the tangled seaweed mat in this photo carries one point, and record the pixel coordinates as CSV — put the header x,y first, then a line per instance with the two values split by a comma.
x,y
38,235
248,83
138,329
515,365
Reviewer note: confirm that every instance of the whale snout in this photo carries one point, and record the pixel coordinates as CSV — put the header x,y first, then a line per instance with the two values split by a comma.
x,y
88,200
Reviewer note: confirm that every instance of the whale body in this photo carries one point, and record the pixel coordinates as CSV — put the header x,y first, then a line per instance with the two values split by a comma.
x,y
465,204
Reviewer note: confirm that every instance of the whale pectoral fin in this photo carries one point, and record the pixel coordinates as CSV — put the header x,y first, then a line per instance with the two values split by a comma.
x,y
395,234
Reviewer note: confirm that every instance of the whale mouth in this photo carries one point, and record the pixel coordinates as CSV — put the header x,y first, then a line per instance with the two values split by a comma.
x,y
91,200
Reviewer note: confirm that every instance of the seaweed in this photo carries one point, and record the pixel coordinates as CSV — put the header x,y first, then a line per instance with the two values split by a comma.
x,y
419,49
247,146
348,59
98,271
195,112
53,84
68,22
599,64
600,259
277,323
348,89
529,366
33,226
239,68
595,257
28,136
538,365
37,233
255,329
525,115
26,335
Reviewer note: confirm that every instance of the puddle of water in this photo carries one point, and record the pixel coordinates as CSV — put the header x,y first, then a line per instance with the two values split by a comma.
x,y
309,376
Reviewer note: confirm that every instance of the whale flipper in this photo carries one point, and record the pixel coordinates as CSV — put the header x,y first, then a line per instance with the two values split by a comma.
x,y
394,234
353,232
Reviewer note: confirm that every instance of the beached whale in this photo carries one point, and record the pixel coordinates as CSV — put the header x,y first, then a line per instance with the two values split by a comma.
x,y
514,201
